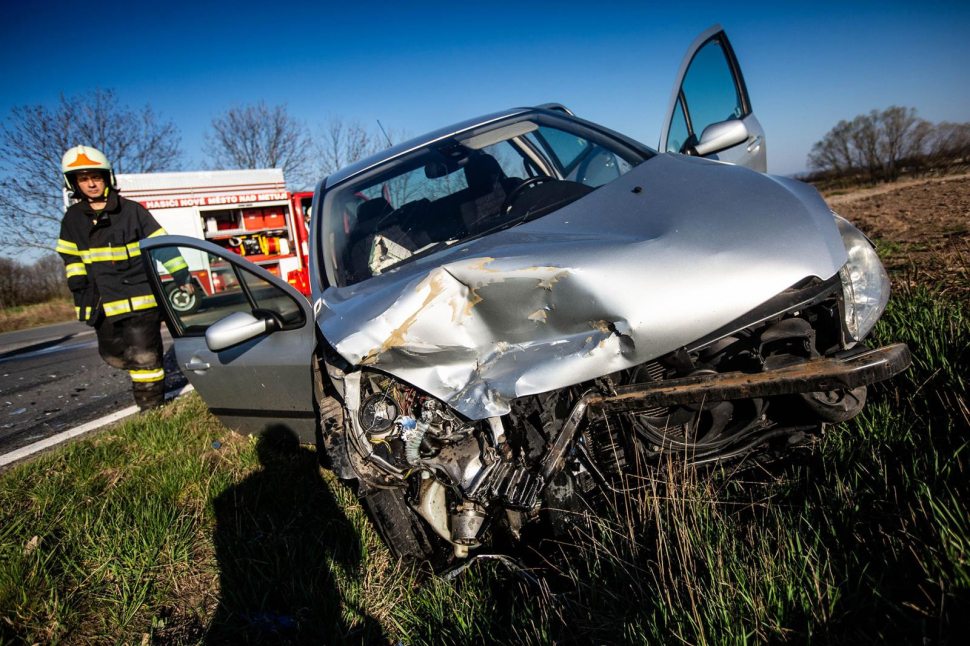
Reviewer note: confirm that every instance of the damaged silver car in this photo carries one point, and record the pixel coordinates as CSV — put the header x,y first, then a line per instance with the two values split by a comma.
x,y
514,312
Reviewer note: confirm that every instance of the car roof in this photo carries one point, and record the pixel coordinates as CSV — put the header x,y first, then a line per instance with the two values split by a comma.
x,y
403,148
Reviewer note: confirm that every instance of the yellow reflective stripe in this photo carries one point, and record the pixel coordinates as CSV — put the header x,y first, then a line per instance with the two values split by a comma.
x,y
76,269
77,310
133,250
63,246
159,232
175,264
142,302
117,307
104,254
87,313
147,375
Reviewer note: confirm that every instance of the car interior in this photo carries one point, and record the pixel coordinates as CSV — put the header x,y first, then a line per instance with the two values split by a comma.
x,y
457,190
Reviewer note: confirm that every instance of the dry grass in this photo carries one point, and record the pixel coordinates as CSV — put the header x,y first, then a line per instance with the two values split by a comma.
x,y
23,317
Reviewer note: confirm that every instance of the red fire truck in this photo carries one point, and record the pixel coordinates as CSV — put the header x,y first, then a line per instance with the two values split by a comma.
x,y
249,212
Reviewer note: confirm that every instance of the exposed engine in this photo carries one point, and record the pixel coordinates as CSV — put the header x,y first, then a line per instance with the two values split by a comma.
x,y
701,405
464,467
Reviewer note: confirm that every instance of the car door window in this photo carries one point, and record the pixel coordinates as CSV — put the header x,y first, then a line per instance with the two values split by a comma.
x,y
566,147
679,133
221,288
709,90
578,159
272,298
510,159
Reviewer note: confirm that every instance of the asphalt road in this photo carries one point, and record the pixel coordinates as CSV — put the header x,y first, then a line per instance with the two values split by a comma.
x,y
52,379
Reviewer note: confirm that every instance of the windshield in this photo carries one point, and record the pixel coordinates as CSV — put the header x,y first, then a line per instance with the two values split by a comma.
x,y
477,182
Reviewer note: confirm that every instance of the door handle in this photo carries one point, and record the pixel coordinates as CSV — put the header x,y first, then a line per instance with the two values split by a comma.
x,y
197,365
754,144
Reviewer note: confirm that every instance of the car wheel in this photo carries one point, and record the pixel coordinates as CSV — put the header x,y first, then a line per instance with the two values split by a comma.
x,y
181,301
835,406
403,531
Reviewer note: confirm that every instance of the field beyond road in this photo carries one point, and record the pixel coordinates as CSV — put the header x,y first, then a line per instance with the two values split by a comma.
x,y
921,229
172,529
24,317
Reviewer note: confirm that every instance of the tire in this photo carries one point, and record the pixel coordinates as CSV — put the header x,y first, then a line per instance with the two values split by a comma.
x,y
835,406
182,302
402,530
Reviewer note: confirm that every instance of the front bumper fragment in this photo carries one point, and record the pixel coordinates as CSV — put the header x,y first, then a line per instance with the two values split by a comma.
x,y
818,375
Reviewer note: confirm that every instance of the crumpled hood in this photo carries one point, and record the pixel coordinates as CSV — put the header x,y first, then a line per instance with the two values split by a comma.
x,y
615,279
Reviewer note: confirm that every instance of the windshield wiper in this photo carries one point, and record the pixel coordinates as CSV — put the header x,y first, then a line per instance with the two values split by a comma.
x,y
426,250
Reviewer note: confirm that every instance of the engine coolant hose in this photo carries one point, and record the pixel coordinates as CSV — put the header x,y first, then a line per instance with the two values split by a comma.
x,y
412,442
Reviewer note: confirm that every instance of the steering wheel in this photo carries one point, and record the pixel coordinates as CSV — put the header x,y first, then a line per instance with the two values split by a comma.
x,y
517,191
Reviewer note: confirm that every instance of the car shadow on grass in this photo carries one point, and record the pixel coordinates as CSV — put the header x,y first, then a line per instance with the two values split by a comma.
x,y
282,544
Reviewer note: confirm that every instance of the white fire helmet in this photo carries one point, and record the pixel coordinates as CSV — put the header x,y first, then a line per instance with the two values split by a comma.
x,y
85,158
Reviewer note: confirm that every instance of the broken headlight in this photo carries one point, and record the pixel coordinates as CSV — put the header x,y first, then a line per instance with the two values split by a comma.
x,y
865,283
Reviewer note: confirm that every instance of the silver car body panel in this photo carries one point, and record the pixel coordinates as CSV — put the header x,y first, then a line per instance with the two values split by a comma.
x,y
666,254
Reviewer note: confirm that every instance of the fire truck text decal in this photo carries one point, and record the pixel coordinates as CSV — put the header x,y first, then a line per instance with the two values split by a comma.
x,y
217,199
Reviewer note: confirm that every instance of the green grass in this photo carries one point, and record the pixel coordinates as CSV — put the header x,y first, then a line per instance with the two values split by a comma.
x,y
886,248
148,532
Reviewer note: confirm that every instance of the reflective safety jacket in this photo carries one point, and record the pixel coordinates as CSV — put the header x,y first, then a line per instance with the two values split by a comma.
x,y
103,260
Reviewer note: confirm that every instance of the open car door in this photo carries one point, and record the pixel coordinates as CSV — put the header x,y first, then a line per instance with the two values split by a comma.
x,y
244,339
709,113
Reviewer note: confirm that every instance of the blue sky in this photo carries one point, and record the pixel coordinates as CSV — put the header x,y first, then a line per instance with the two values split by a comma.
x,y
807,65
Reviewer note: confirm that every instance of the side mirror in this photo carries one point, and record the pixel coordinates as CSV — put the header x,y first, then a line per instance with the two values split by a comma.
x,y
721,135
236,328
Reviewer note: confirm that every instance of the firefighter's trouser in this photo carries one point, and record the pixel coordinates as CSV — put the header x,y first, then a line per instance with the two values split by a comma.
x,y
134,344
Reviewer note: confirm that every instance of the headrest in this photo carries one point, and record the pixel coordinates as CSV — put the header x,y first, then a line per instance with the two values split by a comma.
x,y
482,173
373,210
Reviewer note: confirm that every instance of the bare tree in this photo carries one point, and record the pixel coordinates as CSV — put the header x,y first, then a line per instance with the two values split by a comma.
x,y
895,124
261,136
885,143
842,142
34,137
865,141
23,284
949,144
341,143
916,145
834,153
822,156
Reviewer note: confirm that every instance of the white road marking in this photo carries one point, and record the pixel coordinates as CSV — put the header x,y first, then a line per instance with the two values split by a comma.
x,y
17,345
63,436
52,350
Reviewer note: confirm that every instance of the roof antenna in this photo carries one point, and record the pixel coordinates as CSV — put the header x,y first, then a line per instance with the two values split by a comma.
x,y
389,142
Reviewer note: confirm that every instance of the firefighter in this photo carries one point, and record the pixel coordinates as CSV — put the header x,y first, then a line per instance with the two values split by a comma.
x,y
99,244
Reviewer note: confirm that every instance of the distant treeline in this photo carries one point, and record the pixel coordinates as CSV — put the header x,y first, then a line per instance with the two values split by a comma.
x,y
884,145
23,284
